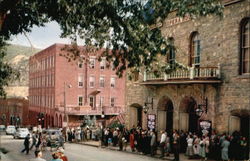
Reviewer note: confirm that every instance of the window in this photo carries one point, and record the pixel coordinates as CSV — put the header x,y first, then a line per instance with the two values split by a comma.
x,y
171,56
91,101
195,49
79,64
112,101
80,80
103,63
91,81
80,99
101,81
101,101
92,63
245,46
112,82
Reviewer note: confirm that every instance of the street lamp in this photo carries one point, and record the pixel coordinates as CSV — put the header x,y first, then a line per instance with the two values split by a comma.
x,y
149,102
202,108
64,94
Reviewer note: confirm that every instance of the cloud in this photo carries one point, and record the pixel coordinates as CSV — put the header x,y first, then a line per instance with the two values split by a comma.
x,y
41,37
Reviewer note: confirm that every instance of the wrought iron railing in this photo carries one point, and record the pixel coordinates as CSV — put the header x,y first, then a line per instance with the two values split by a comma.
x,y
190,73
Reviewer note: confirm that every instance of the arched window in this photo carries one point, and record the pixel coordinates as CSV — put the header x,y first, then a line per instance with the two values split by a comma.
x,y
171,56
195,49
245,46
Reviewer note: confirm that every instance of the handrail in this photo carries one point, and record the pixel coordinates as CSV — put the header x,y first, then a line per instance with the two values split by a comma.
x,y
190,73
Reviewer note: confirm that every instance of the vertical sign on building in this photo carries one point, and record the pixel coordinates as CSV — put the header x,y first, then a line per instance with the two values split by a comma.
x,y
151,121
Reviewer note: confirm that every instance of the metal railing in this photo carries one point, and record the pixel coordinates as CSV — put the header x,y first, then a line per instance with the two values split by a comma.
x,y
190,73
88,110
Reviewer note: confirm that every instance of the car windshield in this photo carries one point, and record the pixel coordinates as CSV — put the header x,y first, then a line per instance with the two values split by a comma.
x,y
11,127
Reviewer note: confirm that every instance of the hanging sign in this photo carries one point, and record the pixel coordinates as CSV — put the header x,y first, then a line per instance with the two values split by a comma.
x,y
205,127
151,121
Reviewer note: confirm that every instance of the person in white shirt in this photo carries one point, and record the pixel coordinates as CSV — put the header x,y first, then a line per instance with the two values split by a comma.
x,y
190,151
38,155
163,142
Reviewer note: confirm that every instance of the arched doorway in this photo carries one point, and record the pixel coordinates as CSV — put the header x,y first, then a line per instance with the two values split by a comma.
x,y
56,121
135,115
52,121
60,121
188,120
165,114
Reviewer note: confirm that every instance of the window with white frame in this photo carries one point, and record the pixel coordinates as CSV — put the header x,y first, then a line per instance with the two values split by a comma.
x,y
103,63
112,101
91,101
80,80
102,81
91,81
92,63
80,100
112,82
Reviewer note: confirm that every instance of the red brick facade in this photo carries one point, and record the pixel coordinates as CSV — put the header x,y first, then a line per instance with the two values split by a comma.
x,y
14,111
85,88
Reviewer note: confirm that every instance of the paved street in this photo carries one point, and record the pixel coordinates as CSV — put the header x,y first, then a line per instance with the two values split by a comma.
x,y
75,152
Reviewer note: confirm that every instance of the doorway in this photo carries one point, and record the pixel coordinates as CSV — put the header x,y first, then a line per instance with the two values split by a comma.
x,y
188,119
170,118
135,115
165,114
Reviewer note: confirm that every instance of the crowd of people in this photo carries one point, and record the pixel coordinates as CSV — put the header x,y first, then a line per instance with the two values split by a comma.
x,y
57,156
213,146
41,140
194,146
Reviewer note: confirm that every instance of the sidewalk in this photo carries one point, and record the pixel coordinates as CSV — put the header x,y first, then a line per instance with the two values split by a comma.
x,y
97,144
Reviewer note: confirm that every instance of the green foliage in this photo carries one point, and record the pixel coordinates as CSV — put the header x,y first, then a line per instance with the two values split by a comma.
x,y
120,25
116,124
7,73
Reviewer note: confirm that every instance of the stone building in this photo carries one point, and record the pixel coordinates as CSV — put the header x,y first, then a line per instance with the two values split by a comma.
x,y
215,85
66,93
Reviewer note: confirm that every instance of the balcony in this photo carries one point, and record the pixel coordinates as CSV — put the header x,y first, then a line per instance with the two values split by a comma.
x,y
88,110
192,75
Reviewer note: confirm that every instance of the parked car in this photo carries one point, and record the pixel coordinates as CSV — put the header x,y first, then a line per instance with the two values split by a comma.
x,y
21,133
53,133
2,128
10,130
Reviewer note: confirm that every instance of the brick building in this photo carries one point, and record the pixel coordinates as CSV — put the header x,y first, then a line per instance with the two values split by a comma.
x,y
14,111
65,92
214,88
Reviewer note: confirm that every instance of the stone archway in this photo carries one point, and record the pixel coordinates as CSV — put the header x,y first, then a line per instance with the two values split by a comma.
x,y
60,121
135,115
240,121
52,121
188,120
165,114
56,121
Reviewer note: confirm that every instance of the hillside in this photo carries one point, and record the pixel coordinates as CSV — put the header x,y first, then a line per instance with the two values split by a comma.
x,y
18,57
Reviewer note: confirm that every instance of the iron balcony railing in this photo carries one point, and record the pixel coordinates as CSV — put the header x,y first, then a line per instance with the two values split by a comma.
x,y
88,110
190,73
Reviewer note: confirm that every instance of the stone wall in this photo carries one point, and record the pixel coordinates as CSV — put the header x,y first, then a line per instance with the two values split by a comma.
x,y
220,44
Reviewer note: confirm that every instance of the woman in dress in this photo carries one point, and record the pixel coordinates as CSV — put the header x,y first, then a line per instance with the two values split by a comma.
x,y
224,152
190,151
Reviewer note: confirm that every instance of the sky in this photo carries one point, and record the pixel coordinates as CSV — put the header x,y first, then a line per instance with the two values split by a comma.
x,y
41,37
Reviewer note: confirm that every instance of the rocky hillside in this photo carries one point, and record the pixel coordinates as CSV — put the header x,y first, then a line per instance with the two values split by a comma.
x,y
18,57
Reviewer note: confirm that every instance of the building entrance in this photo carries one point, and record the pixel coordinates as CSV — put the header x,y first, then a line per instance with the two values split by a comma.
x,y
165,114
188,119
135,115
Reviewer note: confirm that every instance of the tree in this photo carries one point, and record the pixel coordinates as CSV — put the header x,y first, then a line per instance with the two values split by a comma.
x,y
121,25
7,73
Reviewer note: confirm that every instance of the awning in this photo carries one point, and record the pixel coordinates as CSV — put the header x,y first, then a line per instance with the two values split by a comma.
x,y
94,93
